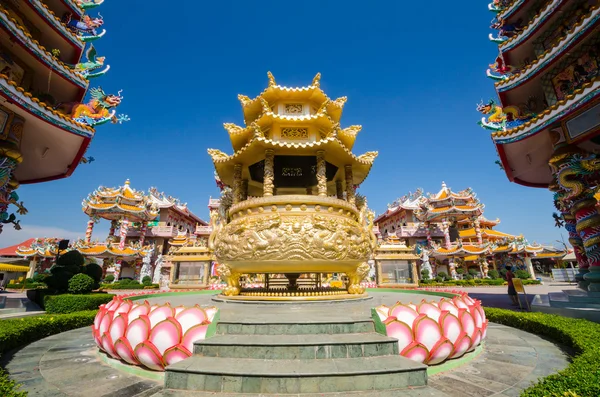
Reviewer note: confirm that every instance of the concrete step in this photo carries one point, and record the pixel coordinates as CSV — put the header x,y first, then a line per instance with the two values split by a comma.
x,y
294,328
561,299
246,375
577,295
413,392
308,346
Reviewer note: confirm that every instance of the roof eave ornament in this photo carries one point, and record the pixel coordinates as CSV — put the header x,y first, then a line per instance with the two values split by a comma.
x,y
317,80
272,82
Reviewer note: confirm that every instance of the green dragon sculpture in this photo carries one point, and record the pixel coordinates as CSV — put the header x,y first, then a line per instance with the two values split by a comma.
x,y
89,69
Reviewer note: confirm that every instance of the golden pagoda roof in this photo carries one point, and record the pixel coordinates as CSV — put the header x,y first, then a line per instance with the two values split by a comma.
x,y
41,248
447,204
460,250
109,250
180,240
469,233
119,203
482,221
292,120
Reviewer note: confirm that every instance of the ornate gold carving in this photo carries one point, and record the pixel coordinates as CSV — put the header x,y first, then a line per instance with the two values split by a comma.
x,y
316,80
309,236
233,129
293,108
244,99
244,190
217,155
350,195
339,189
352,131
294,133
356,276
237,183
368,157
271,79
340,101
321,174
269,176
265,105
232,279
291,171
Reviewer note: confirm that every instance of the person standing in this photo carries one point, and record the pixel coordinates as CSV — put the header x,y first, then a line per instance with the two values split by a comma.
x,y
512,292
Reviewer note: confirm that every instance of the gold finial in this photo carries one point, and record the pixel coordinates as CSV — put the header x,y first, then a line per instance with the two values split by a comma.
x,y
317,80
271,79
127,182
340,101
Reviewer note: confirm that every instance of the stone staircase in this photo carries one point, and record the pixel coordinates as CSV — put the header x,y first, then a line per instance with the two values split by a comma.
x,y
570,303
321,358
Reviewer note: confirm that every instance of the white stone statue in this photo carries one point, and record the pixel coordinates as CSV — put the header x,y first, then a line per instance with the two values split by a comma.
x,y
157,269
426,265
452,267
146,265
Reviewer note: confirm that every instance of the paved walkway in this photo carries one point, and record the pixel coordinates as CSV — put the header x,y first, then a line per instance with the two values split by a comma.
x,y
15,304
68,364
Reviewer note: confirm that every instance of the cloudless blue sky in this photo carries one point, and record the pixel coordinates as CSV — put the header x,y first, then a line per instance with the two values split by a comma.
x,y
413,72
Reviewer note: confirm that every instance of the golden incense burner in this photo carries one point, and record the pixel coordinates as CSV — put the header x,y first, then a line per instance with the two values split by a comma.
x,y
294,210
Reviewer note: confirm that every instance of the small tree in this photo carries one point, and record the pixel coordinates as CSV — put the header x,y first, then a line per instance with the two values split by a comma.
x,y
81,284
473,272
425,274
147,281
522,274
443,275
94,271
460,270
493,274
109,278
66,267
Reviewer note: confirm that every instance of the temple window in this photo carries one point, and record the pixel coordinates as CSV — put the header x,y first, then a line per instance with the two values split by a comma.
x,y
294,133
293,108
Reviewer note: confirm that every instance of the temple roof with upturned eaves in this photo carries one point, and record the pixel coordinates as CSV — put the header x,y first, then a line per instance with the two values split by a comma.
x,y
161,201
120,203
447,204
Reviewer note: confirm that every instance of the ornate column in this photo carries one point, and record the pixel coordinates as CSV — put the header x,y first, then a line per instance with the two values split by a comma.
x,y
244,190
237,183
122,238
206,273
577,243
269,177
113,228
143,230
446,230
588,227
428,233
478,231
321,174
88,231
350,196
339,189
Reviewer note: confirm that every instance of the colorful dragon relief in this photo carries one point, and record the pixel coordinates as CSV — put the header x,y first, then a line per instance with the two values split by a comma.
x,y
497,6
86,27
505,30
89,4
90,68
502,119
499,70
99,110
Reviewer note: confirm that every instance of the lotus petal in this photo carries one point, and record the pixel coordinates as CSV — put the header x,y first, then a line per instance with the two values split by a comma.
x,y
451,326
458,302
138,331
401,331
148,355
190,317
431,310
160,313
113,304
138,310
426,331
467,321
476,340
484,329
468,300
383,312
461,346
124,307
481,311
440,352
97,338
118,326
404,313
412,306
108,347
211,312
476,316
98,318
124,350
449,306
197,332
105,323
166,334
178,309
176,354
416,352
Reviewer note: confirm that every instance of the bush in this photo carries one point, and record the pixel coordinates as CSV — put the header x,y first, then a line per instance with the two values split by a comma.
x,y
582,376
66,267
493,274
425,274
94,271
439,279
522,274
147,281
81,284
443,275
33,285
473,272
503,272
9,388
470,282
119,285
460,270
469,277
109,279
66,303
40,277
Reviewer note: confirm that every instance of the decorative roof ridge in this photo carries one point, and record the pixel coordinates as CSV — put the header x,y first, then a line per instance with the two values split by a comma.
x,y
533,23
63,26
509,10
45,56
573,34
594,84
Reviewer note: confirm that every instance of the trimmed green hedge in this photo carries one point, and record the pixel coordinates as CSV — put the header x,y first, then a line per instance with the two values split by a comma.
x,y
582,376
18,332
33,285
66,303
472,283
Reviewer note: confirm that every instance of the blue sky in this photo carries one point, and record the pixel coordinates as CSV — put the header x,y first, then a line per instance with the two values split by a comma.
x,y
413,73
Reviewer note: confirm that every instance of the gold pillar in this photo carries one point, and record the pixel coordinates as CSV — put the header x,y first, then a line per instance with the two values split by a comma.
x,y
237,183
244,190
349,185
321,174
269,176
339,189
206,272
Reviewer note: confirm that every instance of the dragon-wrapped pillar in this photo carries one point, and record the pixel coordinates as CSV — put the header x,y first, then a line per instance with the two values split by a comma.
x,y
588,227
577,243
10,158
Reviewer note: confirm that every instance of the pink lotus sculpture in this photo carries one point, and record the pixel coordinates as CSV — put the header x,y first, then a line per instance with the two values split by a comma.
x,y
432,332
152,336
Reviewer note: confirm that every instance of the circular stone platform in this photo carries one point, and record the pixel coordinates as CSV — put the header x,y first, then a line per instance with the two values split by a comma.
x,y
69,364
276,300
